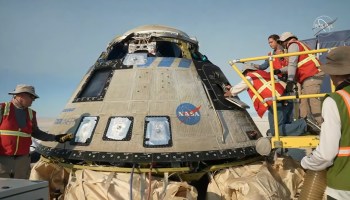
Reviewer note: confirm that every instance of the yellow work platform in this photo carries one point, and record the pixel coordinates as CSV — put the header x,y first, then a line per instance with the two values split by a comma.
x,y
277,141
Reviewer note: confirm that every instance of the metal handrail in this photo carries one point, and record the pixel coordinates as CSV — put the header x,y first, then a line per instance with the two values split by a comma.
x,y
243,60
274,98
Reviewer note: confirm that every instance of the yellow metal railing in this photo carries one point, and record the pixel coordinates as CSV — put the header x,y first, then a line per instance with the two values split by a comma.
x,y
281,141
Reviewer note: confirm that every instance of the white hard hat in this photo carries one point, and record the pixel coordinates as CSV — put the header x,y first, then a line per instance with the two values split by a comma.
x,y
284,36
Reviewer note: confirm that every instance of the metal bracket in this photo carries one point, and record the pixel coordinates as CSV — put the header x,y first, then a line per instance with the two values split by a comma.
x,y
234,61
277,144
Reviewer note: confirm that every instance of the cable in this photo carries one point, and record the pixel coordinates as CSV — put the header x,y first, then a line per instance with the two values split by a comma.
x,y
131,179
150,181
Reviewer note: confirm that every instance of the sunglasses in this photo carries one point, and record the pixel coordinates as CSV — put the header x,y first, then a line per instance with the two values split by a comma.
x,y
31,96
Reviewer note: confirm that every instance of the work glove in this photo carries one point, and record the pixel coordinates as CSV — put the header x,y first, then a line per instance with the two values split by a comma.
x,y
62,138
283,78
277,71
290,86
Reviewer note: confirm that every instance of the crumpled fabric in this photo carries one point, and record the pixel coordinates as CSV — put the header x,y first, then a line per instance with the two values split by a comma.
x,y
56,175
247,182
87,184
291,174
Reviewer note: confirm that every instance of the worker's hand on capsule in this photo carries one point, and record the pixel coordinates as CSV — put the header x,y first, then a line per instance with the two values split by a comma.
x,y
62,138
228,94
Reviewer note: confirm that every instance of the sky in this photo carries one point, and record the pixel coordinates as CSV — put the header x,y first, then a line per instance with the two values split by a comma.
x,y
52,44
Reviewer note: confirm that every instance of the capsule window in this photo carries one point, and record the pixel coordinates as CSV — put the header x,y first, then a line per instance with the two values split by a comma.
x,y
157,132
119,128
95,87
85,131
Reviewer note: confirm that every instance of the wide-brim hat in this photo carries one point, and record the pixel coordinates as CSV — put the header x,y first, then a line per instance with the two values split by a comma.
x,y
284,36
22,88
248,66
337,61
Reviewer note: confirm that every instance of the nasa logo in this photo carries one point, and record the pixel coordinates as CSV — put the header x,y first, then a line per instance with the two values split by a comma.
x,y
323,24
188,113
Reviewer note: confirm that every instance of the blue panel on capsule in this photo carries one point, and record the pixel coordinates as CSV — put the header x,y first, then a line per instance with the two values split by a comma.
x,y
185,63
166,62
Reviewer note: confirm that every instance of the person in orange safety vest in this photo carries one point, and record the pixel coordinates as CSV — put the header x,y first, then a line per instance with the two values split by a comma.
x,y
303,69
18,125
278,63
261,82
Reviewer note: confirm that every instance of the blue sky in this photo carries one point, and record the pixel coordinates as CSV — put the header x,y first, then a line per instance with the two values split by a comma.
x,y
51,44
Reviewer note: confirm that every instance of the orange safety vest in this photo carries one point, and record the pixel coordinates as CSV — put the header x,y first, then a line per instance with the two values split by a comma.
x,y
338,173
345,151
15,140
278,63
262,84
307,63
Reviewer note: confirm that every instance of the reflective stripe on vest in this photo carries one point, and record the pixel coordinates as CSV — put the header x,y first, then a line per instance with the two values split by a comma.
x,y
310,57
30,111
266,84
7,111
14,133
345,151
7,108
17,134
346,98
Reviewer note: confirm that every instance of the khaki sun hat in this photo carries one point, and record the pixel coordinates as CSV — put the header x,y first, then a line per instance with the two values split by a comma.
x,y
284,36
337,61
22,88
